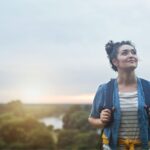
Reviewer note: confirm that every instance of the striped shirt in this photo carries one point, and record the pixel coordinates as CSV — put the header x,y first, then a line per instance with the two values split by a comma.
x,y
129,128
129,121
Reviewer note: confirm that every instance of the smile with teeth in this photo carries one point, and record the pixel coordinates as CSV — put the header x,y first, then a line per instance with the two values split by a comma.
x,y
132,61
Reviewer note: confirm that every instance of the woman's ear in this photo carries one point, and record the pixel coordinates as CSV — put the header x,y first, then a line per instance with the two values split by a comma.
x,y
115,62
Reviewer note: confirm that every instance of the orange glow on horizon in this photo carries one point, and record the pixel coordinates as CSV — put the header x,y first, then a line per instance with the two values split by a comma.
x,y
83,98
63,99
37,96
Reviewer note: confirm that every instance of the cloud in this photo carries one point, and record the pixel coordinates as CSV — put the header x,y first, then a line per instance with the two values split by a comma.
x,y
59,45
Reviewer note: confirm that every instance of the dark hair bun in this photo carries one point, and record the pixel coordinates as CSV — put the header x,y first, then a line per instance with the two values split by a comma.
x,y
109,47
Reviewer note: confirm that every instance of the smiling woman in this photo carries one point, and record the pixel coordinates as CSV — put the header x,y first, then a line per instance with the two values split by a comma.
x,y
121,107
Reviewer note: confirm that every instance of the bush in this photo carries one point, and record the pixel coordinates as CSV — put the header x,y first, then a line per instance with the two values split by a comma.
x,y
66,139
27,132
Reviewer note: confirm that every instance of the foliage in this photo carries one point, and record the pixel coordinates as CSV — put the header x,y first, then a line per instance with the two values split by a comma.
x,y
20,128
45,110
40,139
17,132
76,140
86,140
15,107
66,139
76,118
77,133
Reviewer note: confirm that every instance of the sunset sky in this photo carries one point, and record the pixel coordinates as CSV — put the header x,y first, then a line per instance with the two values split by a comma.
x,y
52,51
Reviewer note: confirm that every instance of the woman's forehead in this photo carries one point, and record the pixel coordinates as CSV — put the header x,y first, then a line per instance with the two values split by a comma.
x,y
126,47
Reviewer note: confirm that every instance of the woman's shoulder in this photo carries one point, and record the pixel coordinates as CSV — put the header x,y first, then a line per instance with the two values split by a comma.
x,y
106,82
143,80
104,85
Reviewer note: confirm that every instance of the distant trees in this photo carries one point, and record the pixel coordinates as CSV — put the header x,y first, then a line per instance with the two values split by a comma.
x,y
77,140
66,140
20,128
15,107
76,118
86,140
77,133
24,133
41,138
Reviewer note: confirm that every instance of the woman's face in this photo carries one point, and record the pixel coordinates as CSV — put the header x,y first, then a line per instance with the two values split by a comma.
x,y
126,58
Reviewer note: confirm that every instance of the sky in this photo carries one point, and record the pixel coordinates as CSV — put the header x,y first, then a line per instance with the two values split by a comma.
x,y
53,51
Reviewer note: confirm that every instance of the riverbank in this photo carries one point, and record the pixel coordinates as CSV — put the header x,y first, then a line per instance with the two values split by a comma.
x,y
56,122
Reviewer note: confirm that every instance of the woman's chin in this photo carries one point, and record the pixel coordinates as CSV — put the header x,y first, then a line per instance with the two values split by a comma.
x,y
131,68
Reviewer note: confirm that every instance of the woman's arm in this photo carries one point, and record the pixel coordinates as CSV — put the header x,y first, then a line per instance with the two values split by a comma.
x,y
96,122
105,118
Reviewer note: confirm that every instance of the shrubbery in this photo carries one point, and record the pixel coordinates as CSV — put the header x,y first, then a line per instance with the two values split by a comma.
x,y
21,130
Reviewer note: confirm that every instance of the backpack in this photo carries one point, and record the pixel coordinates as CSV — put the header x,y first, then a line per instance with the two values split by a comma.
x,y
110,89
109,104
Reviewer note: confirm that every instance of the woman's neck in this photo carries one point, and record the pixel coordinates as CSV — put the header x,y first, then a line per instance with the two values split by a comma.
x,y
126,78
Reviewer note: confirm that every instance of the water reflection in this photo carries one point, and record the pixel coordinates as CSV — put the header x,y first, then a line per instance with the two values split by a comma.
x,y
56,122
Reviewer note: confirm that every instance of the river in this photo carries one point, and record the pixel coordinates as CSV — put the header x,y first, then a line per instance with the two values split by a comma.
x,y
55,121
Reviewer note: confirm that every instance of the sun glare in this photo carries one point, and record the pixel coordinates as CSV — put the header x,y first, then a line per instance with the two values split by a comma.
x,y
32,95
41,95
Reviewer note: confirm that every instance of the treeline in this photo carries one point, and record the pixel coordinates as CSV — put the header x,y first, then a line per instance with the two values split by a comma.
x,y
36,110
24,133
21,130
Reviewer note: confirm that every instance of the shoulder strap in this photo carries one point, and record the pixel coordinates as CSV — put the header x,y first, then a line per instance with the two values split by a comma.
x,y
146,90
108,103
110,88
109,94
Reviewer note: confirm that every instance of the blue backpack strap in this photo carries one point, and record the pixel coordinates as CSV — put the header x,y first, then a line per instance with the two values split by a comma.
x,y
110,88
146,90
108,103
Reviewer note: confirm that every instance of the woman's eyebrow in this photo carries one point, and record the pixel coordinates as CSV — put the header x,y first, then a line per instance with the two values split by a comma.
x,y
129,49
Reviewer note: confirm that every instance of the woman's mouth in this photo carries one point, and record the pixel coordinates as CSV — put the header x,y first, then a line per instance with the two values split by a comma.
x,y
132,61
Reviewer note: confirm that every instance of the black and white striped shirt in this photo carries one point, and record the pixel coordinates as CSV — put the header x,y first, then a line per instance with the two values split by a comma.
x,y
129,118
129,115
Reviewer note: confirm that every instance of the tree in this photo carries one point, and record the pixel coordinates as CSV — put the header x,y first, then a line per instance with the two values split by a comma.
x,y
66,139
76,140
86,140
15,107
77,120
40,139
20,133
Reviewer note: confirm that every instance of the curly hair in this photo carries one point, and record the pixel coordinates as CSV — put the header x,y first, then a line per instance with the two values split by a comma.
x,y
112,50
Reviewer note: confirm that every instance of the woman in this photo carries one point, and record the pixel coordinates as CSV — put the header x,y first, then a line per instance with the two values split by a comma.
x,y
129,128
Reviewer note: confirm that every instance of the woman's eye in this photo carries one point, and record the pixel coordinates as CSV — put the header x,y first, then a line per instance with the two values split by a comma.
x,y
133,52
124,53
